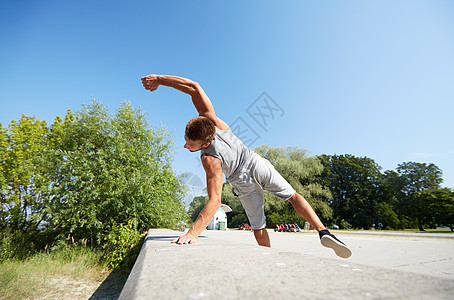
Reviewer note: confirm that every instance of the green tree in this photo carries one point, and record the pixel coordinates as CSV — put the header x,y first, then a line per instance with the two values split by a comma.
x,y
386,216
302,172
107,170
416,178
355,185
3,157
22,146
196,206
390,192
438,206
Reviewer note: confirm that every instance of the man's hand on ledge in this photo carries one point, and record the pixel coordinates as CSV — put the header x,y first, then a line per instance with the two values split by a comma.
x,y
188,238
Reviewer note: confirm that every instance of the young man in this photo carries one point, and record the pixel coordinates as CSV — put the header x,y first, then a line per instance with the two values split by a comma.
x,y
248,172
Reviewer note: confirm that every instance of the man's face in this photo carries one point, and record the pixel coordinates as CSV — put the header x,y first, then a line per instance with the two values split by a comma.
x,y
194,146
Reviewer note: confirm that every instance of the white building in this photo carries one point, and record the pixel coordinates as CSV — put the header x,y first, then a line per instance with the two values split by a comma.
x,y
219,221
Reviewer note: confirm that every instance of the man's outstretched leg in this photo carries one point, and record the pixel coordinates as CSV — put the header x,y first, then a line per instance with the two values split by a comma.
x,y
261,235
327,239
304,209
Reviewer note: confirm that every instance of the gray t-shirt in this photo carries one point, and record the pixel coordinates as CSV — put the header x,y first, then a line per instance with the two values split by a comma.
x,y
234,155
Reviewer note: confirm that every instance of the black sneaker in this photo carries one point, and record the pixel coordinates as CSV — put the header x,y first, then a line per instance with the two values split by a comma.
x,y
330,241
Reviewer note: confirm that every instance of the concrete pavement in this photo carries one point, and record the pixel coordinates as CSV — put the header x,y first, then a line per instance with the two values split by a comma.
x,y
228,265
412,252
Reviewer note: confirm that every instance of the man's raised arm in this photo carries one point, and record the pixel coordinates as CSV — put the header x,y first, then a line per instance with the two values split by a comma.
x,y
201,101
213,170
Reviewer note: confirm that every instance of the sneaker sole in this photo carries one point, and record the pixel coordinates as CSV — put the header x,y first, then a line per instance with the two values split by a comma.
x,y
340,249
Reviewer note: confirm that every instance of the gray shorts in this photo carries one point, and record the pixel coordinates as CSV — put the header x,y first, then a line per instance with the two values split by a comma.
x,y
249,184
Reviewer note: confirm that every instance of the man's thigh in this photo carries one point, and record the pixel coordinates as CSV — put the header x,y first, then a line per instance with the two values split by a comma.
x,y
251,196
271,180
254,206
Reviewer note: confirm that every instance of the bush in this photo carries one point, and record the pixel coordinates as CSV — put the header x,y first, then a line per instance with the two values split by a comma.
x,y
15,245
345,225
106,170
122,245
91,179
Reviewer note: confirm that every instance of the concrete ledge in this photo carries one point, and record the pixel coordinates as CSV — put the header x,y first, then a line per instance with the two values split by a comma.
x,y
215,268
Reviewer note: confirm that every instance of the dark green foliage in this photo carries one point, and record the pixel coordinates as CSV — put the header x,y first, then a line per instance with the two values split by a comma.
x,y
416,178
363,196
437,206
355,185
14,245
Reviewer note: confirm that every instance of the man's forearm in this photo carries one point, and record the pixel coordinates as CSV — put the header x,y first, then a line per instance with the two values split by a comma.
x,y
205,217
200,100
182,84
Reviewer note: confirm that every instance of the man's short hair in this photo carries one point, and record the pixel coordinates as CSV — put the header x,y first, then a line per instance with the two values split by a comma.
x,y
200,129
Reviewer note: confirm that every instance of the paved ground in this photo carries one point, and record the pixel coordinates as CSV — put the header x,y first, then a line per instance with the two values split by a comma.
x,y
412,252
229,265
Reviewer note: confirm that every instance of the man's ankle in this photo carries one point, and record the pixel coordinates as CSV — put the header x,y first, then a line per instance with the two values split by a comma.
x,y
323,232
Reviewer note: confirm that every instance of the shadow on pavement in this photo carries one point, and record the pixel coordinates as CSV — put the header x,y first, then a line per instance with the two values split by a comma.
x,y
161,238
111,287
164,238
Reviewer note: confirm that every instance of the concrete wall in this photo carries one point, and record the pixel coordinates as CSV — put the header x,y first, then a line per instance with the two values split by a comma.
x,y
215,268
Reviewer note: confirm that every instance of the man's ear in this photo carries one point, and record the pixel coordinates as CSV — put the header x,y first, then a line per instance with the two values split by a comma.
x,y
205,145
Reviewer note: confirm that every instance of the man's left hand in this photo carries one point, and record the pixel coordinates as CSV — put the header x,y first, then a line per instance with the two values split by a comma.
x,y
188,238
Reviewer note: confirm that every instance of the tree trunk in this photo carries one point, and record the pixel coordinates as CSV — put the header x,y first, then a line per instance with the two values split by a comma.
x,y
419,214
420,225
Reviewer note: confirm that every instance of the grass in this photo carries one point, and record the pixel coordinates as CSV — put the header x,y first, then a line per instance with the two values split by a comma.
x,y
53,273
436,230
416,230
433,232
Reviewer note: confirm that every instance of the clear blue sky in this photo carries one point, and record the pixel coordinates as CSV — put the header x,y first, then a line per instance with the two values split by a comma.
x,y
369,78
